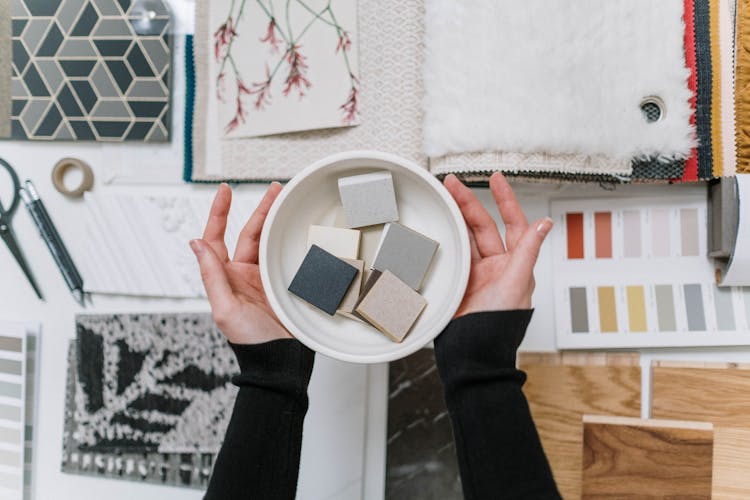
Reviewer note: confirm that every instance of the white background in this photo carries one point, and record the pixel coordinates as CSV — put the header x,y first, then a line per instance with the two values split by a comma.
x,y
140,168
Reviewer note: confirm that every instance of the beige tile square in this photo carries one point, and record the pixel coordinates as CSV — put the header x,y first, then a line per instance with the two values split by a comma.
x,y
352,295
343,243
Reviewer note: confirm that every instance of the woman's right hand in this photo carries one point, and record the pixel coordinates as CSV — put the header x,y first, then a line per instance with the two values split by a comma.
x,y
238,302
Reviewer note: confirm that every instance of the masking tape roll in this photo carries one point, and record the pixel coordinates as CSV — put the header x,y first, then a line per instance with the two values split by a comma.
x,y
58,176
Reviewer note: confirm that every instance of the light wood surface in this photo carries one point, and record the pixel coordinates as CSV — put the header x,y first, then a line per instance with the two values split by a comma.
x,y
731,480
561,388
634,458
712,392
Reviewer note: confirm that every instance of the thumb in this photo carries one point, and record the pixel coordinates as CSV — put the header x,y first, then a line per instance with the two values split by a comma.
x,y
527,250
214,276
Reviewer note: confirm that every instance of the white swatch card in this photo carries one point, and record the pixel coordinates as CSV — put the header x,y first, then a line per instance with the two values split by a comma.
x,y
12,409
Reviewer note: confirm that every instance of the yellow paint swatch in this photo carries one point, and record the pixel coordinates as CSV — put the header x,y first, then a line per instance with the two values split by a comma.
x,y
636,309
607,309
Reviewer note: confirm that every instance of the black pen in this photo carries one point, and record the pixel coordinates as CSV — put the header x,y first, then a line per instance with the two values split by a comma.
x,y
53,240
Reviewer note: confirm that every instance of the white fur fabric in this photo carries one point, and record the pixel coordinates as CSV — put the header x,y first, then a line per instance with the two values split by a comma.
x,y
555,76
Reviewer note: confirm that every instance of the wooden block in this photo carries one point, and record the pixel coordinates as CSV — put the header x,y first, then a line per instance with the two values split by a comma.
x,y
560,394
322,280
731,480
391,306
352,295
405,253
368,199
712,394
635,458
343,243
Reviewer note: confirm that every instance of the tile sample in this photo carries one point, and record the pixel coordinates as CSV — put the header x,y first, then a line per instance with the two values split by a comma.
x,y
352,295
633,457
421,454
391,306
710,392
343,243
322,280
562,387
368,199
81,72
406,253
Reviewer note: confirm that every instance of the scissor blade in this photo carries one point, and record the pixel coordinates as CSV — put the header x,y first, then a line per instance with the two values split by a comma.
x,y
10,240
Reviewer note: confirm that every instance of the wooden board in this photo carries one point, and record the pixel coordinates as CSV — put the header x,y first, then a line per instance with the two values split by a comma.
x,y
561,387
731,480
635,458
711,392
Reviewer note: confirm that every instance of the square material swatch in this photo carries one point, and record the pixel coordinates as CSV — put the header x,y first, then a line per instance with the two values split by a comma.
x,y
352,295
368,199
406,253
391,306
322,280
90,70
343,243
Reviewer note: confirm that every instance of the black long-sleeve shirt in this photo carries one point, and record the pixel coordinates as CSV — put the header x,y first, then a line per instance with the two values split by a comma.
x,y
499,452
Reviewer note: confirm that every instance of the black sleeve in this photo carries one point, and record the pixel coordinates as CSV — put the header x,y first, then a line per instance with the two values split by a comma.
x,y
261,451
499,451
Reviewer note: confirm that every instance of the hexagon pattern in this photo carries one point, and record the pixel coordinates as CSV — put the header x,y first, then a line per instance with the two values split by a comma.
x,y
81,72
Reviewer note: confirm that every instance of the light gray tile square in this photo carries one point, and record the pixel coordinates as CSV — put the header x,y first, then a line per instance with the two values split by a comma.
x,y
406,253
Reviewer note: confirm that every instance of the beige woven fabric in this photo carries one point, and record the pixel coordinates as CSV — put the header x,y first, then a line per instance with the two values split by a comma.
x,y
5,68
390,51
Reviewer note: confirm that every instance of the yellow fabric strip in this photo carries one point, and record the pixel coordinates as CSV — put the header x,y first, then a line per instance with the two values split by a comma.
x,y
742,86
717,149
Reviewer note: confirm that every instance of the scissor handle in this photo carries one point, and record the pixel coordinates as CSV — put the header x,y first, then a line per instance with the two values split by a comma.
x,y
16,186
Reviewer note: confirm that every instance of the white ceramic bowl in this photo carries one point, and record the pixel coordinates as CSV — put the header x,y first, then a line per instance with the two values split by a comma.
x,y
312,197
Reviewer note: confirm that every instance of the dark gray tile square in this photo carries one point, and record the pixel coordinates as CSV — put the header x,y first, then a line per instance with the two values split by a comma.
x,y
322,280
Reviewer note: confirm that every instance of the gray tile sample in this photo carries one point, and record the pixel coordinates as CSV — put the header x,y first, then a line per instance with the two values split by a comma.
x,y
421,455
322,280
368,199
85,51
406,253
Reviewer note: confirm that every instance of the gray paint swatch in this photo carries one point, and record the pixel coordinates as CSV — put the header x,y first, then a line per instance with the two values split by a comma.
x,y
8,412
696,317
11,344
10,390
689,226
665,308
579,311
10,458
11,366
12,436
631,220
724,309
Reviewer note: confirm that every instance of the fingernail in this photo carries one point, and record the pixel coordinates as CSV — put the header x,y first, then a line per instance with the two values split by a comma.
x,y
195,246
544,227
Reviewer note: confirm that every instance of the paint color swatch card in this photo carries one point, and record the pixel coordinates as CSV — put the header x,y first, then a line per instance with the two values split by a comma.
x,y
12,409
635,273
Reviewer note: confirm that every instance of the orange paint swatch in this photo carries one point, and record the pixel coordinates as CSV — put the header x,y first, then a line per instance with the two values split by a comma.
x,y
574,225
603,234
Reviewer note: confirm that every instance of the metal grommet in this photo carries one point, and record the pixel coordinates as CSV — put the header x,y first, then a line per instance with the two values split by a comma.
x,y
653,109
58,176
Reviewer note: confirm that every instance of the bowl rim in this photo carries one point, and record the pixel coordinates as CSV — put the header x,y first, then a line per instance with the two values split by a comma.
x,y
458,220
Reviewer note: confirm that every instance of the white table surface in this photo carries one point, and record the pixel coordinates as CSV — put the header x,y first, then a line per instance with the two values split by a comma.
x,y
138,168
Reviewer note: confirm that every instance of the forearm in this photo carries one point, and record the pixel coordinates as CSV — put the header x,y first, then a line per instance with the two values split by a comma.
x,y
261,451
499,451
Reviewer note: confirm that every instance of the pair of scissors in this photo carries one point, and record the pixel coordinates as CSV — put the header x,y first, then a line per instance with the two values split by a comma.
x,y
6,229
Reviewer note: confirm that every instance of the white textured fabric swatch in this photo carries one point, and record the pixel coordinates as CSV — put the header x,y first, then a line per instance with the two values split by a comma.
x,y
391,46
5,68
555,77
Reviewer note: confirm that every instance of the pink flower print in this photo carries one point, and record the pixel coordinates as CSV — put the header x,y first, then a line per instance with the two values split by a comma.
x,y
221,86
351,106
223,37
297,68
239,117
270,37
344,41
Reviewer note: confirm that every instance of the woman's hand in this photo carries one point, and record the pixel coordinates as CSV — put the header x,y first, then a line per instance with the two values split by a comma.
x,y
502,274
235,292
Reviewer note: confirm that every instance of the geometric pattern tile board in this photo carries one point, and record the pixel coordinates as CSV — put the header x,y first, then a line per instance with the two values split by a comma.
x,y
562,387
90,70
